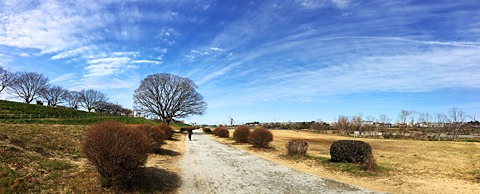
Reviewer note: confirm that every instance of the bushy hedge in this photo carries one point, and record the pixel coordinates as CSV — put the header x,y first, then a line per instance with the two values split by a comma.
x,y
117,152
297,147
154,133
167,130
207,130
241,134
222,132
352,151
260,137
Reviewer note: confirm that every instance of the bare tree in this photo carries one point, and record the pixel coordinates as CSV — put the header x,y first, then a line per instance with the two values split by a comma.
x,y
357,122
403,119
169,96
6,78
54,95
426,125
73,99
89,99
403,116
413,116
342,124
457,117
27,85
440,120
473,117
127,112
108,108
384,120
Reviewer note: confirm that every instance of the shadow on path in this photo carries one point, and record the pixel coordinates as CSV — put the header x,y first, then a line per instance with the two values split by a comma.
x,y
165,152
157,180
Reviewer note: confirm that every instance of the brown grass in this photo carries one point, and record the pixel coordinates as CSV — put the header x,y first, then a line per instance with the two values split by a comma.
x,y
407,166
49,159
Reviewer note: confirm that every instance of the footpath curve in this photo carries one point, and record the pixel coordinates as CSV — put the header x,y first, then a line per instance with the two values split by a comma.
x,y
211,167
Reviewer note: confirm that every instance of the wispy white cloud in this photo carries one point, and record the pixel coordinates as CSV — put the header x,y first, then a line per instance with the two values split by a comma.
x,y
71,53
342,4
106,66
310,4
69,77
216,49
126,54
51,26
167,35
146,61
218,73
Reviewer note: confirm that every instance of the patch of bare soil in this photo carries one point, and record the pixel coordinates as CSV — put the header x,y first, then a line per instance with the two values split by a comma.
x,y
412,166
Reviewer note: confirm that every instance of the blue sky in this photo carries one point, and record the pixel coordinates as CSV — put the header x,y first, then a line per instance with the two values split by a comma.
x,y
288,60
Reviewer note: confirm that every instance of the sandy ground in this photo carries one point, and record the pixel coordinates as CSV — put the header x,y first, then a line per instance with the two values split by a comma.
x,y
211,167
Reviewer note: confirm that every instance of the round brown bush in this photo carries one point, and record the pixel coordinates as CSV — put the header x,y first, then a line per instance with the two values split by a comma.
x,y
154,133
297,147
352,151
260,137
207,130
117,152
215,131
241,134
167,130
222,132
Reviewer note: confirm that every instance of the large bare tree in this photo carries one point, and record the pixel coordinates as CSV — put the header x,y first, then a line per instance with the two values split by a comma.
x,y
6,78
169,96
54,95
89,99
27,85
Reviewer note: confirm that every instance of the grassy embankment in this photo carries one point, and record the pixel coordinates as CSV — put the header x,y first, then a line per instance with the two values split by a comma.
x,y
45,155
405,166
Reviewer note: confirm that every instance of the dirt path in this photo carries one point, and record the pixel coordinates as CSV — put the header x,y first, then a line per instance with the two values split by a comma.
x,y
212,167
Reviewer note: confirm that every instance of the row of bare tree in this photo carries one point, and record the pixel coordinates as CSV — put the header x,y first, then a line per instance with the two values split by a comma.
x,y
31,85
450,125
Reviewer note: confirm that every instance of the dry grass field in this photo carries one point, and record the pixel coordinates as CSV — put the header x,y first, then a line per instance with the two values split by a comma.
x,y
45,158
405,166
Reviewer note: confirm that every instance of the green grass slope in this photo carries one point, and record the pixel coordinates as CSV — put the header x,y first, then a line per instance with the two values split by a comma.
x,y
18,113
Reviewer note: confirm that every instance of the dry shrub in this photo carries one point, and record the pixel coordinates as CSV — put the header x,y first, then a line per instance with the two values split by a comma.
x,y
215,131
154,133
207,130
184,129
167,130
297,147
241,134
352,151
369,163
260,137
222,132
117,152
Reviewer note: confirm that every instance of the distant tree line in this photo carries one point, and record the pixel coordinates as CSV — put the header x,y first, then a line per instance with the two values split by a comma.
x,y
31,86
164,95
410,124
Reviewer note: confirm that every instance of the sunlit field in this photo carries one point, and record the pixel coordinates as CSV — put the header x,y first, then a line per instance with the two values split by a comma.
x,y
405,166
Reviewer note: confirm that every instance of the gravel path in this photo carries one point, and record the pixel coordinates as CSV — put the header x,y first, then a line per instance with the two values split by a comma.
x,y
212,167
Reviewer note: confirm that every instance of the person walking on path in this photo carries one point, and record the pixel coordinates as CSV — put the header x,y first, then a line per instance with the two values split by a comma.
x,y
190,132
